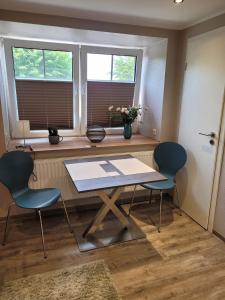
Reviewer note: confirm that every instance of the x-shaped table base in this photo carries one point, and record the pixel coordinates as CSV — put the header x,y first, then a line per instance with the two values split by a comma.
x,y
109,204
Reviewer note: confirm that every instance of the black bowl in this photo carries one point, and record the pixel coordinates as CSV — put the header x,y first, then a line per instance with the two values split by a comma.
x,y
95,133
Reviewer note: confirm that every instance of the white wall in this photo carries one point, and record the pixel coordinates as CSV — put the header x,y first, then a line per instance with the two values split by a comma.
x,y
152,89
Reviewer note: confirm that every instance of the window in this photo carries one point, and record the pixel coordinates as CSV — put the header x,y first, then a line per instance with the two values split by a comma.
x,y
28,63
99,67
124,68
111,80
42,64
111,67
69,86
44,87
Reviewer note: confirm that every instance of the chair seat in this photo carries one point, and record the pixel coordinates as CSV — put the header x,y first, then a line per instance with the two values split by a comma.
x,y
161,185
37,199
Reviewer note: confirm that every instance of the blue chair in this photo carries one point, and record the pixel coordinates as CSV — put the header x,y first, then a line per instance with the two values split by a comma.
x,y
16,168
170,158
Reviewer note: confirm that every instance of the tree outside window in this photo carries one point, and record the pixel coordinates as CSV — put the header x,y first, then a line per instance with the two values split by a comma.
x,y
42,64
108,67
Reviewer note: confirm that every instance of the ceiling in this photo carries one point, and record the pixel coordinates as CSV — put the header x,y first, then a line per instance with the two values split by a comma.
x,y
158,13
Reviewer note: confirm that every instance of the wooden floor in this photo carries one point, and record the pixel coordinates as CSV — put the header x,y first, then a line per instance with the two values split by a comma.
x,y
182,262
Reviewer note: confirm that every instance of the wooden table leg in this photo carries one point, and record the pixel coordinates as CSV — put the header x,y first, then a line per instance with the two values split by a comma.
x,y
109,204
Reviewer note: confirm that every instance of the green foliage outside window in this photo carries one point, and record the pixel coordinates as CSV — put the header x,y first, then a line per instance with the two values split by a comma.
x,y
124,68
28,63
42,64
57,65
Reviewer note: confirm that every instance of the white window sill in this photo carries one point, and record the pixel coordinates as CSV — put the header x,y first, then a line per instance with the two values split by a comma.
x,y
81,146
69,133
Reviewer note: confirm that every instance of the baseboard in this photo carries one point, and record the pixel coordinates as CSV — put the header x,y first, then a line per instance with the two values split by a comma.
x,y
219,236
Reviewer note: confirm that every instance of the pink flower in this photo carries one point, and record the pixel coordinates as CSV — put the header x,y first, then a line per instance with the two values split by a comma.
x,y
110,108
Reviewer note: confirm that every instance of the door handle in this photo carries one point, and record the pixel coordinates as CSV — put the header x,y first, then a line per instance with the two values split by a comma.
x,y
212,134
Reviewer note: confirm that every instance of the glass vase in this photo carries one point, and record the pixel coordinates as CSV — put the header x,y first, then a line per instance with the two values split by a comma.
x,y
127,131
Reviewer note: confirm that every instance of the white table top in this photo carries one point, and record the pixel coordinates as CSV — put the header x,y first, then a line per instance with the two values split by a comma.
x,y
109,172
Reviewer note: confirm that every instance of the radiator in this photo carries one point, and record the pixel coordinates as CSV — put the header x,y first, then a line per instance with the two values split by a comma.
x,y
52,173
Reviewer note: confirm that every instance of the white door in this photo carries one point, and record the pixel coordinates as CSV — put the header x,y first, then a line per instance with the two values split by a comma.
x,y
201,110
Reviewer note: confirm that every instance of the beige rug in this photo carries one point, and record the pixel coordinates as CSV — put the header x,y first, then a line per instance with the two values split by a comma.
x,y
90,281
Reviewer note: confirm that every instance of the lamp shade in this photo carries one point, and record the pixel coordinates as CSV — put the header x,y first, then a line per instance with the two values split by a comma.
x,y
23,128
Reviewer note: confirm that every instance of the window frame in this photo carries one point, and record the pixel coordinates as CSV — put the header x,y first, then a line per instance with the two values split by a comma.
x,y
85,50
79,51
9,44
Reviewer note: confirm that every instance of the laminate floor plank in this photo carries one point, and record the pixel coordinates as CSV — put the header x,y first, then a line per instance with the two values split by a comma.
x,y
183,262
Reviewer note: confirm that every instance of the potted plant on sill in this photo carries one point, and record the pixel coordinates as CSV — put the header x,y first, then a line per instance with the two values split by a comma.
x,y
128,115
53,136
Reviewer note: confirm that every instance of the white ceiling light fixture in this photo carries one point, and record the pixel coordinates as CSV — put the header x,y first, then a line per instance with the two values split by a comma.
x,y
178,1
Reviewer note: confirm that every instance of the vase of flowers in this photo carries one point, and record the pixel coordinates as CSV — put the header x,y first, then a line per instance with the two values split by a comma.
x,y
128,115
127,130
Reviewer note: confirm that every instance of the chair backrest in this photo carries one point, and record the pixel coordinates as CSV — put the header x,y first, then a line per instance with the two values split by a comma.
x,y
170,157
15,170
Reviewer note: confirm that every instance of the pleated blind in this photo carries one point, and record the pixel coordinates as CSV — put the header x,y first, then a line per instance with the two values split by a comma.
x,y
50,103
100,95
45,103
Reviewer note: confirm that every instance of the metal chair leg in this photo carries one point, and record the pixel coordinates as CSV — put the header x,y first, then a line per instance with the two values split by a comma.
x,y
178,200
160,210
42,234
67,216
150,198
6,224
132,200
